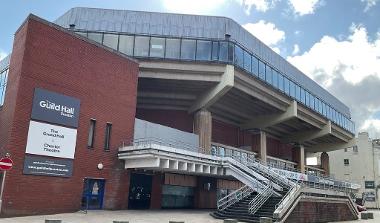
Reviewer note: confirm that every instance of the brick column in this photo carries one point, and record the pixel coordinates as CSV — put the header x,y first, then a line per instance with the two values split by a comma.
x,y
263,146
203,127
325,164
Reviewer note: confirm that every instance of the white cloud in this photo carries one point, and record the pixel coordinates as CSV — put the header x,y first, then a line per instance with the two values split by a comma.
x,y
267,32
303,7
259,5
192,6
360,56
350,69
369,4
296,49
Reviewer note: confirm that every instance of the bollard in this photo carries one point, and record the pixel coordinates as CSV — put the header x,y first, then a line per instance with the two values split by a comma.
x,y
266,220
53,221
370,215
230,221
120,221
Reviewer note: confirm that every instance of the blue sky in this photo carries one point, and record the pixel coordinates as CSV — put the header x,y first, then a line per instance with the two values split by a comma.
x,y
335,42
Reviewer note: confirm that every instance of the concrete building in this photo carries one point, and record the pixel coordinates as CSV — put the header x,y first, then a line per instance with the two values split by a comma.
x,y
117,109
360,164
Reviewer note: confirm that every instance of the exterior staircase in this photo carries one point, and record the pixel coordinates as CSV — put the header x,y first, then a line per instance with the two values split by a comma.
x,y
239,210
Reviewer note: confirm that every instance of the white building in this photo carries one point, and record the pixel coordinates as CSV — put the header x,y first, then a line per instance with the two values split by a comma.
x,y
360,164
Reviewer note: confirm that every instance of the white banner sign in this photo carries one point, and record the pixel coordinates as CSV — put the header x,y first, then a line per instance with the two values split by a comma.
x,y
51,140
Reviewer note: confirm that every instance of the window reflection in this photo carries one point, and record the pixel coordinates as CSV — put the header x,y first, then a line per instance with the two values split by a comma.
x,y
247,61
97,37
157,46
188,49
268,74
141,46
203,50
172,48
239,58
261,70
110,40
255,66
126,44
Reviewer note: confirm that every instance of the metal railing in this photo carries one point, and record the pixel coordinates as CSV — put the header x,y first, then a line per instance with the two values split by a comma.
x,y
260,199
234,197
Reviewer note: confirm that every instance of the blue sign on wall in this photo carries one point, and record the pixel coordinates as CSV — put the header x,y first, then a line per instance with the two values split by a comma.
x,y
55,108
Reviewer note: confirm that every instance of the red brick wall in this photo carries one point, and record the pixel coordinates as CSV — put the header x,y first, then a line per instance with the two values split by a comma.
x,y
225,133
181,120
312,212
46,57
277,149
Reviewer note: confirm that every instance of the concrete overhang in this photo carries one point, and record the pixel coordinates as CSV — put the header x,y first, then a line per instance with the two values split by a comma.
x,y
235,97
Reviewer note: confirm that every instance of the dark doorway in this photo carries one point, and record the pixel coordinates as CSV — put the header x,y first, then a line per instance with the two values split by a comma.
x,y
140,191
93,193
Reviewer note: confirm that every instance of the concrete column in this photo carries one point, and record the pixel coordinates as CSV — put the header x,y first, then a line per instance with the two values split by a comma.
x,y
325,164
263,146
301,163
203,127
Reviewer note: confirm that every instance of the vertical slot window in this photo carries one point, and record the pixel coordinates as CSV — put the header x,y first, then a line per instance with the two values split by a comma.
x,y
107,139
91,134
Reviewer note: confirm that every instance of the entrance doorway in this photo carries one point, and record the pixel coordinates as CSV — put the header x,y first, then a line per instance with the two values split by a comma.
x,y
93,193
140,191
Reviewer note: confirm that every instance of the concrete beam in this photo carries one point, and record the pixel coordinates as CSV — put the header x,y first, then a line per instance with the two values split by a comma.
x,y
326,147
211,96
302,137
264,121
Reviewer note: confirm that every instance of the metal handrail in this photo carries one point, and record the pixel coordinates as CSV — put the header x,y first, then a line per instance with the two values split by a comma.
x,y
260,199
234,197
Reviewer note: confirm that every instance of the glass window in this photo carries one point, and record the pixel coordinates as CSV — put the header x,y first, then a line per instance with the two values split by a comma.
x,y
286,86
215,50
346,162
292,87
203,50
324,109
126,44
307,98
188,49
255,66
298,93
172,48
320,107
82,33
261,70
223,51
97,37
247,61
91,134
157,47
316,104
311,102
280,82
268,74
239,59
3,85
107,138
110,40
302,92
141,46
275,78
